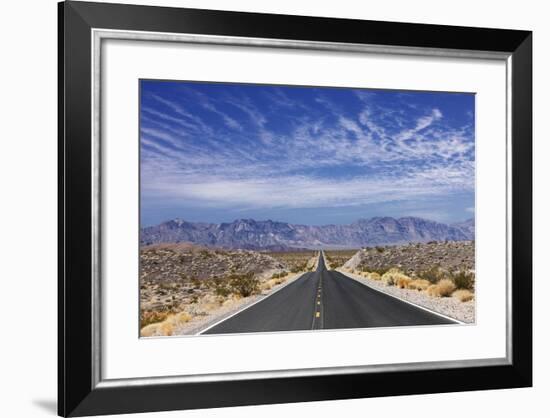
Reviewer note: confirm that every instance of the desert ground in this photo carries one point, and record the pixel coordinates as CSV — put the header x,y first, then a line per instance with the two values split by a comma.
x,y
185,288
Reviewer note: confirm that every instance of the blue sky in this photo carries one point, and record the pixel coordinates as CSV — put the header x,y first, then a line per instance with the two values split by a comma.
x,y
216,152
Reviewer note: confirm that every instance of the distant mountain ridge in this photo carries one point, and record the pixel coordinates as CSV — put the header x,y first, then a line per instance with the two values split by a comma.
x,y
257,235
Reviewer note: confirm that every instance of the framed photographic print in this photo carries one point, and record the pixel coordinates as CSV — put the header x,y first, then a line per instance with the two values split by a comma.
x,y
264,208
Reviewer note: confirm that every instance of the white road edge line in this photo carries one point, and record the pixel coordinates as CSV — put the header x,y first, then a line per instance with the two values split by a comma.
x,y
244,308
406,301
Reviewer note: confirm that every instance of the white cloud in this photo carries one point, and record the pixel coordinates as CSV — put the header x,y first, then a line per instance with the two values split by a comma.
x,y
229,121
393,157
421,123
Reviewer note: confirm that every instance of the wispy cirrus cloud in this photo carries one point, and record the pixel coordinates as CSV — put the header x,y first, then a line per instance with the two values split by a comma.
x,y
258,147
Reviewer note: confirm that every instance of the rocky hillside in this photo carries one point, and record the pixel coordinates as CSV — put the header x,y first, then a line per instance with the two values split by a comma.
x,y
415,258
184,262
253,235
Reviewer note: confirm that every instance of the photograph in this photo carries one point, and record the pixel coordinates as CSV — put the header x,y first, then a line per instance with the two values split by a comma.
x,y
278,208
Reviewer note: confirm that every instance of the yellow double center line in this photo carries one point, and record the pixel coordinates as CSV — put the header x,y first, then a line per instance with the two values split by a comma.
x,y
318,305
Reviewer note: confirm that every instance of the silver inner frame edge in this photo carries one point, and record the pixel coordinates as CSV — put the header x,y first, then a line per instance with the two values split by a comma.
x,y
98,35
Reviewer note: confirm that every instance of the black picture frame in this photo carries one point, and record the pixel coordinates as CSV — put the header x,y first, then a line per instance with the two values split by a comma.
x,y
77,393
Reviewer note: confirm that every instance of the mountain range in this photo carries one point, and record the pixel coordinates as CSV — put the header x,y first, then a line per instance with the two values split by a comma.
x,y
279,236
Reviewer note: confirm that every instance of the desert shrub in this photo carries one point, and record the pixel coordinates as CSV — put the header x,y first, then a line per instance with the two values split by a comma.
x,y
299,267
463,295
267,285
271,283
375,276
432,290
419,284
150,330
279,275
446,287
151,317
433,274
244,284
167,326
403,282
334,262
443,288
221,287
181,317
382,270
231,300
463,280
380,249
392,276
378,270
388,279
206,304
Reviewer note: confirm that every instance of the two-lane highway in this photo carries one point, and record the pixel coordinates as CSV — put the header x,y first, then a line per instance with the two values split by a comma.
x,y
325,299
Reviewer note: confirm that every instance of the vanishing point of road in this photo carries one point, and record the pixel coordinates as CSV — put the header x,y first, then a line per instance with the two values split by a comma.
x,y
325,299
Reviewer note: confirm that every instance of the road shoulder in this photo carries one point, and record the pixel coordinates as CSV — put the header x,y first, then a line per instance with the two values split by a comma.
x,y
464,312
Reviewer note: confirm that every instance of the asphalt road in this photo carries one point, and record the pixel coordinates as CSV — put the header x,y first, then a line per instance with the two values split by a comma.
x,y
325,299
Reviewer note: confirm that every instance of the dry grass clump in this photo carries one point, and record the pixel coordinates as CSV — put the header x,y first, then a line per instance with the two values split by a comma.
x,y
433,275
151,317
206,304
394,276
280,275
379,270
297,268
443,288
432,290
374,276
231,300
166,327
403,282
294,260
419,284
446,287
268,285
463,295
